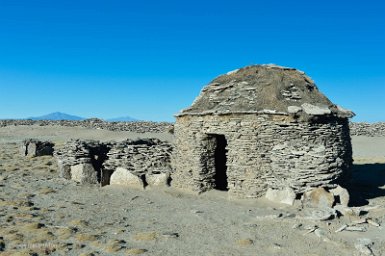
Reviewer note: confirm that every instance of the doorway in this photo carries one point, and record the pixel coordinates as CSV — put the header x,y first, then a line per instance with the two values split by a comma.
x,y
220,161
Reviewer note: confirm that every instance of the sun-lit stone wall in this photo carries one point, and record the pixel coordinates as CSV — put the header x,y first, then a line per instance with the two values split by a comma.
x,y
262,151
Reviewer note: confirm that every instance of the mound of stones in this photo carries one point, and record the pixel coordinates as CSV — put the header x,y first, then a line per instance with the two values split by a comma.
x,y
367,129
94,123
34,147
135,163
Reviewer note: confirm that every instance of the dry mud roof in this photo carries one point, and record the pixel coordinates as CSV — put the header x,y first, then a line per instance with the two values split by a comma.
x,y
267,89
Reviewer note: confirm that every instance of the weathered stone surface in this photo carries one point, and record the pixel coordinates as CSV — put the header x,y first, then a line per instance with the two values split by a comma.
x,y
64,169
84,173
158,180
122,176
315,110
342,194
284,196
318,197
294,109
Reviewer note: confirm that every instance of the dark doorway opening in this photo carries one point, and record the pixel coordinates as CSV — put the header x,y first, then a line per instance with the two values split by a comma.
x,y
220,153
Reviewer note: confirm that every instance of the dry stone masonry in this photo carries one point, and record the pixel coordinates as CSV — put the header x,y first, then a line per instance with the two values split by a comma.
x,y
148,159
367,129
34,147
94,123
132,162
261,127
82,160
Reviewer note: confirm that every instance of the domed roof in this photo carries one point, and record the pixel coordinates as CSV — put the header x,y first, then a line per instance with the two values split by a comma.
x,y
264,89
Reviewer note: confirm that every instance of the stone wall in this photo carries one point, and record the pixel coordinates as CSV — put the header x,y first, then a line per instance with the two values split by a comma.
x,y
137,126
143,158
34,147
262,151
367,129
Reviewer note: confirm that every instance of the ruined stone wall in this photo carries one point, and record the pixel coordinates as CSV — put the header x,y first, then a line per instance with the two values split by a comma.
x,y
94,162
263,151
143,156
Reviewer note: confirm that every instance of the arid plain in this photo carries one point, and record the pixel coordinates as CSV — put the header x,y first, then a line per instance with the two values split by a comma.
x,y
42,214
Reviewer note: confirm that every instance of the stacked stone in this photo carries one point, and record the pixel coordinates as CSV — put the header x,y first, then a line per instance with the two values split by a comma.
x,y
94,123
367,129
77,160
144,158
261,153
147,160
271,126
34,147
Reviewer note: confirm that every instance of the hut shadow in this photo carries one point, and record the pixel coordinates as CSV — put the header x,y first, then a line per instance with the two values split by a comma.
x,y
367,182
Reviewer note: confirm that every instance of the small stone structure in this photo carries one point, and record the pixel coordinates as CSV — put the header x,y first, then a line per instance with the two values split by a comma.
x,y
261,127
131,162
82,161
34,147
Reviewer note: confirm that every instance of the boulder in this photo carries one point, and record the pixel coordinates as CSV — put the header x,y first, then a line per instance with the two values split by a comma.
x,y
122,176
284,196
319,198
84,173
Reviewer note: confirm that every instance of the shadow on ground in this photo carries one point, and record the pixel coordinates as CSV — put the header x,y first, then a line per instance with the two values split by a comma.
x,y
367,182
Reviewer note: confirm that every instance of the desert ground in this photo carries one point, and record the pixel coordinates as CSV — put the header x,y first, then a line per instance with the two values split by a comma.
x,y
42,214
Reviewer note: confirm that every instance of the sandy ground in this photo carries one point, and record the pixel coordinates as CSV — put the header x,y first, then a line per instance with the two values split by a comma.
x,y
41,214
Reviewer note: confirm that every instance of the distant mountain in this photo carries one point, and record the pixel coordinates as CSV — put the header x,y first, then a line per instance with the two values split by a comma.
x,y
57,116
122,119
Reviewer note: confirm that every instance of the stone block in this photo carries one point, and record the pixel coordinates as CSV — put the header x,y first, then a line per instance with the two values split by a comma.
x,y
64,169
122,176
315,110
284,196
84,173
319,198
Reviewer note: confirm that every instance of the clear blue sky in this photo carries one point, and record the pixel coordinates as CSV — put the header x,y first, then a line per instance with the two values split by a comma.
x,y
148,59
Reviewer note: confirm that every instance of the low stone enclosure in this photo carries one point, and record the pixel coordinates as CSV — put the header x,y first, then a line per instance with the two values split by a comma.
x,y
136,163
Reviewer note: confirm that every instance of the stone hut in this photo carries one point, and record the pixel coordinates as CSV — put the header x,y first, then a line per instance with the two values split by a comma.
x,y
260,127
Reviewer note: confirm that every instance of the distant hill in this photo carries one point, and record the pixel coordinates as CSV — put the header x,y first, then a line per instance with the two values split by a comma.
x,y
57,116
122,119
